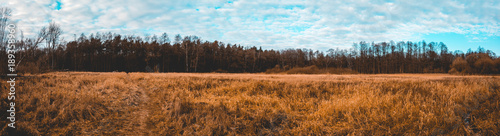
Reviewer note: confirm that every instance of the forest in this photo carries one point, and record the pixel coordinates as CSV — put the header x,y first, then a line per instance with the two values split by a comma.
x,y
108,52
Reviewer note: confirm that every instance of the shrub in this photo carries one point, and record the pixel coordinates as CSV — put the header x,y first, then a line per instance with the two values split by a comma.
x,y
454,71
220,71
459,65
497,65
304,70
276,69
28,67
339,71
485,65
311,70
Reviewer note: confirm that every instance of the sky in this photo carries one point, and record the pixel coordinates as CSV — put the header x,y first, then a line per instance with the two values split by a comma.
x,y
317,24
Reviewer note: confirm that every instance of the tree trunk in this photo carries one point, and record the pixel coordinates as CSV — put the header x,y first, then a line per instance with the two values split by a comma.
x,y
187,61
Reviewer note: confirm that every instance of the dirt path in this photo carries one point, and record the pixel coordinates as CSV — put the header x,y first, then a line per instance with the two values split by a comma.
x,y
138,107
144,111
129,109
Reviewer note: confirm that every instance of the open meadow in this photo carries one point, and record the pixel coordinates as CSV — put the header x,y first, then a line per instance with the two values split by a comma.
x,y
89,103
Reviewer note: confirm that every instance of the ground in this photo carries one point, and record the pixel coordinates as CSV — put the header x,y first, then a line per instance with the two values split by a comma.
x,y
87,103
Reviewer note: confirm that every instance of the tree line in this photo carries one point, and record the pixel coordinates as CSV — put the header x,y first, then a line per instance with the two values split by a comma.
x,y
113,52
107,52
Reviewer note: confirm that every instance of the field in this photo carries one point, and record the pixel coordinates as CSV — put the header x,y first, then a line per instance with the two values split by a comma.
x,y
85,103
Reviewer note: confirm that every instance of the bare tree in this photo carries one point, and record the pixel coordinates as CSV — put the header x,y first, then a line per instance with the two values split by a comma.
x,y
186,42
54,31
42,35
164,38
5,14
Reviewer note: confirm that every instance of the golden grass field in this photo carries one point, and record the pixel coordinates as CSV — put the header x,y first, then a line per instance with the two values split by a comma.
x,y
86,103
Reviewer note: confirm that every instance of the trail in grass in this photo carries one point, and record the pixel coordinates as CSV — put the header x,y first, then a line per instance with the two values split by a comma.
x,y
131,110
144,110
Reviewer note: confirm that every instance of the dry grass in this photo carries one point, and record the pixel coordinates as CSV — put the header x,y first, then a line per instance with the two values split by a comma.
x,y
311,70
78,103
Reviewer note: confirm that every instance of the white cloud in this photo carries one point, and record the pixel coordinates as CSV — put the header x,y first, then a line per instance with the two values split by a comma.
x,y
319,24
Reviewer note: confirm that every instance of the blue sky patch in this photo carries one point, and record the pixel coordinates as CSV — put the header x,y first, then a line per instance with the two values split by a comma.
x,y
58,5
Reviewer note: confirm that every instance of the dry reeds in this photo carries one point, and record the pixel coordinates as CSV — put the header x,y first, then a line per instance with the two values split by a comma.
x,y
255,104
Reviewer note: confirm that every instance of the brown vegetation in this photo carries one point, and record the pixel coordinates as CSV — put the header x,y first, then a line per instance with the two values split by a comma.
x,y
475,63
254,104
311,70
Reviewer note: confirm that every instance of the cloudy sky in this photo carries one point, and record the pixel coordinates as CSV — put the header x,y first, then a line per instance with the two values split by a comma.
x,y
319,25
